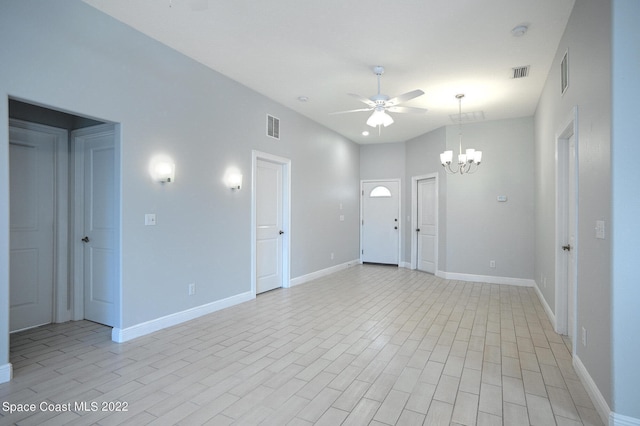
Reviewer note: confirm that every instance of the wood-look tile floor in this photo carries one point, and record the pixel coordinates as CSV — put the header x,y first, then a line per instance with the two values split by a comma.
x,y
368,345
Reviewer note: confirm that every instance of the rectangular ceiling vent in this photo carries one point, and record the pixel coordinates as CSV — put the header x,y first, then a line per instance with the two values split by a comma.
x,y
273,127
520,72
467,117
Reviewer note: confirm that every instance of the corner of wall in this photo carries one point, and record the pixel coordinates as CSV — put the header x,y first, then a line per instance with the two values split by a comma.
x,y
6,372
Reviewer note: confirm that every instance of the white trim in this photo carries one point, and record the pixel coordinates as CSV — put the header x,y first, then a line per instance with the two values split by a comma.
x,y
522,282
125,334
405,265
616,419
400,221
546,306
286,213
6,372
323,272
590,386
414,218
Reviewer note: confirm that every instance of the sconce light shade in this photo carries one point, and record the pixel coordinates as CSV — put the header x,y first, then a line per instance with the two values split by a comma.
x,y
164,172
234,180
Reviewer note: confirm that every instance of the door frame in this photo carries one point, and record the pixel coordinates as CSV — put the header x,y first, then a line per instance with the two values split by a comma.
x,y
414,218
61,309
567,130
76,249
285,164
400,227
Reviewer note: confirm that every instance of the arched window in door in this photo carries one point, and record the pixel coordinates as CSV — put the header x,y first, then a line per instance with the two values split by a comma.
x,y
380,191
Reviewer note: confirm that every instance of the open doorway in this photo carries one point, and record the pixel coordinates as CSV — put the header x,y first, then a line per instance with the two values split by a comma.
x,y
49,244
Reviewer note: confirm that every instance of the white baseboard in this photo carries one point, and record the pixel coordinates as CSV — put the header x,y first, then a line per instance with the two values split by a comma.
x,y
594,393
6,372
321,273
124,334
406,265
545,305
522,282
620,420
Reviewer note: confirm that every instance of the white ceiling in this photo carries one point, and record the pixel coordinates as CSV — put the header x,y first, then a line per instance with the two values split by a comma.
x,y
323,50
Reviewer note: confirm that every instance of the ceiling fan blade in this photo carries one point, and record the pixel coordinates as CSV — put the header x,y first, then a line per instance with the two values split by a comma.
x,y
407,110
363,99
404,98
351,110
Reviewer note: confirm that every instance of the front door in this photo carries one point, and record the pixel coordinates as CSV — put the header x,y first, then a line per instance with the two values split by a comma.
x,y
32,223
427,225
380,230
269,225
96,233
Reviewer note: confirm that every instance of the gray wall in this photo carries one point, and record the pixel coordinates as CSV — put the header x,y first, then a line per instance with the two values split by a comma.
x,y
588,39
68,56
474,228
626,208
479,228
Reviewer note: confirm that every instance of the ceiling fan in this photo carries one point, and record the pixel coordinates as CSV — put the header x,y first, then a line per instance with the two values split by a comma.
x,y
381,104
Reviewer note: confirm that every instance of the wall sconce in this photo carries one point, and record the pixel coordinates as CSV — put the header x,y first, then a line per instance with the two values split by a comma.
x,y
162,168
234,180
165,172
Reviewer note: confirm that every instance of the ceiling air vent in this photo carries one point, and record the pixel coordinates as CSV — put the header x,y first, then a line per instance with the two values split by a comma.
x,y
520,72
273,127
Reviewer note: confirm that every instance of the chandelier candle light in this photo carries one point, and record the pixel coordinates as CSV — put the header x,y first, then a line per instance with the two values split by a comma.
x,y
466,161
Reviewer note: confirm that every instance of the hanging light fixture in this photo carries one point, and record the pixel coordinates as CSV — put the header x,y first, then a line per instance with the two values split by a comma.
x,y
466,161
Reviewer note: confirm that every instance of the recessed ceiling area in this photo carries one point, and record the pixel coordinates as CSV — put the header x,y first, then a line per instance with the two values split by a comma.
x,y
309,56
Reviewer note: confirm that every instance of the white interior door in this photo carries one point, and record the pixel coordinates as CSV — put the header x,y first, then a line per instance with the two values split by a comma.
x,y
95,167
32,220
427,225
380,222
269,225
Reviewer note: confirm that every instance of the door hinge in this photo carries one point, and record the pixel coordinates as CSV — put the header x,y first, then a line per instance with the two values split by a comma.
x,y
362,251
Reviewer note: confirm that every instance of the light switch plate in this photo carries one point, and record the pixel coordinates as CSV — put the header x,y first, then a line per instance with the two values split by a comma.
x,y
150,219
502,198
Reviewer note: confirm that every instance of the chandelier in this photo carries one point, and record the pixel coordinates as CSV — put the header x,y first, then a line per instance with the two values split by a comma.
x,y
469,161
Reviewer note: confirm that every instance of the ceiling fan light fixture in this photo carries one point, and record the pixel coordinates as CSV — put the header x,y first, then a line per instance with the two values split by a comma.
x,y
379,118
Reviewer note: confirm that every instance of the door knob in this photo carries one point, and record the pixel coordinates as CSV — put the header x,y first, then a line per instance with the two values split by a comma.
x,y
281,232
85,239
567,247
418,230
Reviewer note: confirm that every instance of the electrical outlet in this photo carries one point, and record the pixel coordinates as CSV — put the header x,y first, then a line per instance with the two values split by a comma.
x,y
492,264
192,289
584,337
